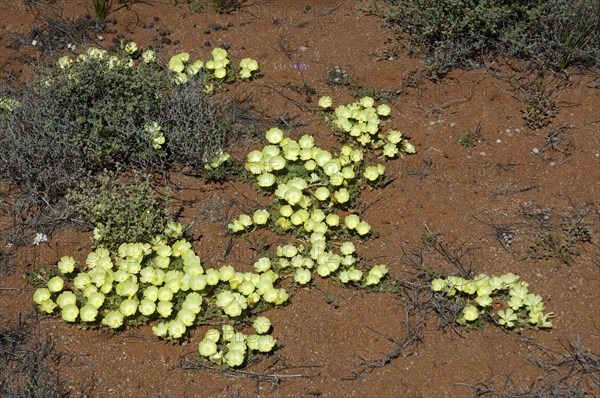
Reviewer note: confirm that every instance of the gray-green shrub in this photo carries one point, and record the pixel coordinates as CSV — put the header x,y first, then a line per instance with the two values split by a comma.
x,y
91,117
460,33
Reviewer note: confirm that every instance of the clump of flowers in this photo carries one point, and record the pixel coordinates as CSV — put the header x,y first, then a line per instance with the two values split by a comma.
x,y
233,349
217,69
161,280
248,68
524,308
361,121
310,185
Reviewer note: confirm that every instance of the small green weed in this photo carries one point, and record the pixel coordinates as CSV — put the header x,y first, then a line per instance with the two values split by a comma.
x,y
470,139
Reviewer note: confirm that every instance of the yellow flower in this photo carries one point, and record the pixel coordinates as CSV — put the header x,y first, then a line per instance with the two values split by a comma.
x,y
64,62
226,272
507,318
56,284
470,313
128,307
437,285
131,47
40,295
351,221
207,347
260,217
88,313
325,102
219,54
96,299
147,307
383,110
160,330
149,56
114,319
66,298
262,325
47,306
302,276
372,279
70,313
363,228
176,328
66,265
164,308
234,358
266,343
82,280
220,73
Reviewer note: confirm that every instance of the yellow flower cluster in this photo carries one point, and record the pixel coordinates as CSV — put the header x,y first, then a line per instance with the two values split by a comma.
x,y
361,120
523,307
309,184
218,67
232,348
154,280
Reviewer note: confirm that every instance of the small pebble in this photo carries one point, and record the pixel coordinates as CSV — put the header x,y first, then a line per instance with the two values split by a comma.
x,y
302,48
517,130
552,164
432,123
508,131
535,150
498,141
452,124
482,153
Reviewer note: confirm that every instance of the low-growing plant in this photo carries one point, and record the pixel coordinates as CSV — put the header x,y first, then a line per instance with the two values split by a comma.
x,y
120,210
478,295
226,6
163,279
310,184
